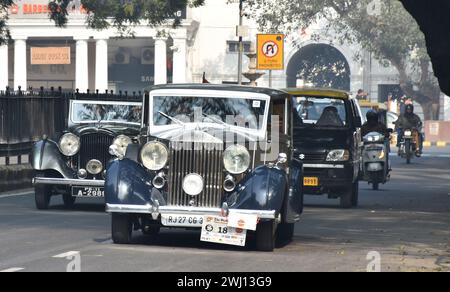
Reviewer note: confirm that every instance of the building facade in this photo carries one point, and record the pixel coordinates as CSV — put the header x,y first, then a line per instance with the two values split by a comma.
x,y
206,43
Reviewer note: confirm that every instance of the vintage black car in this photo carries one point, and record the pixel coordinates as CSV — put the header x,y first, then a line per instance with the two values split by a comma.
x,y
74,162
216,158
327,139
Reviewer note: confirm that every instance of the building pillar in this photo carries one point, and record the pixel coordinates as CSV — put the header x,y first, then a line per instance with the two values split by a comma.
x,y
81,64
179,60
4,63
160,61
20,64
101,65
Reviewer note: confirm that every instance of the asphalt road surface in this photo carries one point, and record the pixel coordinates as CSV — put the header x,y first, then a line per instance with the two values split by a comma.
x,y
406,224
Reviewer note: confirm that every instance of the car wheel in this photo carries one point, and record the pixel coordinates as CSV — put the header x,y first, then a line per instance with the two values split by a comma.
x,y
347,199
151,230
355,194
69,201
42,195
285,232
122,228
265,236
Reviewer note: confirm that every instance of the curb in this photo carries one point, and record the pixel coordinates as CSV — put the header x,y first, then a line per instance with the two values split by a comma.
x,y
439,144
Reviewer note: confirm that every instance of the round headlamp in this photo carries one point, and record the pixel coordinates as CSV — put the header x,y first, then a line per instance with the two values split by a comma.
x,y
119,145
193,184
154,155
69,144
94,167
236,159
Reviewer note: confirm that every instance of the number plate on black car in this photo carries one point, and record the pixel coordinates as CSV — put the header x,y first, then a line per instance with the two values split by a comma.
x,y
88,192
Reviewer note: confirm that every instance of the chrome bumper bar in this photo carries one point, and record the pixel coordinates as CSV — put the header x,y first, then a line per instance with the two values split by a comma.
x,y
162,210
68,182
324,166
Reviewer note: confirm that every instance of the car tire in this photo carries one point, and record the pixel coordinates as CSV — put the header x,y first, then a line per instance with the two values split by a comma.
x,y
265,236
285,233
69,200
121,228
42,195
348,198
151,230
355,194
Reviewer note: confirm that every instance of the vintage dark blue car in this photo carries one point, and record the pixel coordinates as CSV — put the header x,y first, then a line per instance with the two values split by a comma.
x,y
73,163
211,157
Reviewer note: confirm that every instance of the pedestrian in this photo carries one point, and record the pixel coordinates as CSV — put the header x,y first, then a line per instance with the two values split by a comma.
x,y
362,95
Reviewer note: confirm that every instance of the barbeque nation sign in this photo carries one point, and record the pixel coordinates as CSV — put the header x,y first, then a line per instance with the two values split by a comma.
x,y
50,56
39,8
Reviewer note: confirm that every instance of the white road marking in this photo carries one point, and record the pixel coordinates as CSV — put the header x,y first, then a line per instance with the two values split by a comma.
x,y
16,195
12,270
66,255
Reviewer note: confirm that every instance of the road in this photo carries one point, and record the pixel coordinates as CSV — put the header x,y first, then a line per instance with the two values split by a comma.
x,y
406,223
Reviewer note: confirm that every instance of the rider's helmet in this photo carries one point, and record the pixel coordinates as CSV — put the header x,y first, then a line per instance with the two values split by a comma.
x,y
372,116
409,109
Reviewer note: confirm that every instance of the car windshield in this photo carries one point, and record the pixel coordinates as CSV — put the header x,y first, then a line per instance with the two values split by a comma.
x,y
321,112
238,112
104,112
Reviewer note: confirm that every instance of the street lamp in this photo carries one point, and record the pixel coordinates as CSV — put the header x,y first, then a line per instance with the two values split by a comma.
x,y
241,44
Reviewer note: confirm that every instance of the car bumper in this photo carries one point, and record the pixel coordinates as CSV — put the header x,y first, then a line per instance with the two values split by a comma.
x,y
331,176
68,182
162,210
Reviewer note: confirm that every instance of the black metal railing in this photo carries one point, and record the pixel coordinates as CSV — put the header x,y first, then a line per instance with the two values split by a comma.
x,y
26,116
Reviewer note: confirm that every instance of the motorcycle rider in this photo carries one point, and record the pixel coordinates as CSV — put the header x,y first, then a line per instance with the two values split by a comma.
x,y
409,120
374,125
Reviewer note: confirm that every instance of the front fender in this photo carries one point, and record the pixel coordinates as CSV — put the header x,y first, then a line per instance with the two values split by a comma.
x,y
129,183
293,205
45,155
264,189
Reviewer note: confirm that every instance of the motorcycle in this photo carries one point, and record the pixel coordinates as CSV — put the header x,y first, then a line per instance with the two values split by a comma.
x,y
376,167
409,145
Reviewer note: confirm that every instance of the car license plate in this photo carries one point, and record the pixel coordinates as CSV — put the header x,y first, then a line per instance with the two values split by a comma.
x,y
215,229
182,220
88,192
311,181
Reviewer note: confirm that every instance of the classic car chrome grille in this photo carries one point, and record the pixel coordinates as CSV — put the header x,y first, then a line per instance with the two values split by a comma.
x,y
203,159
95,146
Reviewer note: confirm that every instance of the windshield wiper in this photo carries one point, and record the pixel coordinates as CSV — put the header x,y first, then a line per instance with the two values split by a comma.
x,y
217,120
176,121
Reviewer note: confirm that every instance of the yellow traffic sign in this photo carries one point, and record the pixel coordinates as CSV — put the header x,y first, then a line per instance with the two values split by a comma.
x,y
270,52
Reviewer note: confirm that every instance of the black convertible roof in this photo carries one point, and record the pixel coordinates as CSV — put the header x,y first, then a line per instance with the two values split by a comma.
x,y
274,93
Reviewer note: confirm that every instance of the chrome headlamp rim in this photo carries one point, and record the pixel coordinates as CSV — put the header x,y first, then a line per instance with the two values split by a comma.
x,y
120,148
94,167
62,146
234,152
147,161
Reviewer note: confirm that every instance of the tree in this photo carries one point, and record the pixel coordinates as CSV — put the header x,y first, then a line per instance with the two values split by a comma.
x,y
382,27
102,14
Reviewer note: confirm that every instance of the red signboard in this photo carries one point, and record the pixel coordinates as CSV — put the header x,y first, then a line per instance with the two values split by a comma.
x,y
43,8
